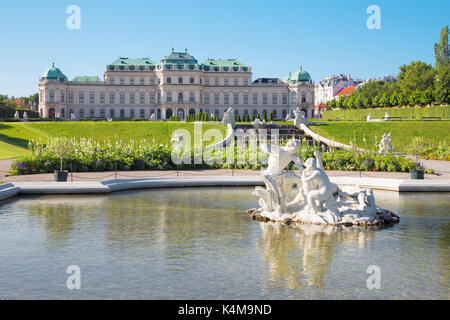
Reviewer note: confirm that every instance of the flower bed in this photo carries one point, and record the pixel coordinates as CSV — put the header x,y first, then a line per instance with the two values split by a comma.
x,y
90,155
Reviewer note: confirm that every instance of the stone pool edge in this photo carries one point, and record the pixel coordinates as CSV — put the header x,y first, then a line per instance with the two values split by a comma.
x,y
12,189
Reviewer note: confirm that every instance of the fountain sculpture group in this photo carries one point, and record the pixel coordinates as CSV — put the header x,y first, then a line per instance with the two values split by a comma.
x,y
308,196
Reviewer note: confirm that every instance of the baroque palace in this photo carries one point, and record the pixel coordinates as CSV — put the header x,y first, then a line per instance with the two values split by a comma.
x,y
178,86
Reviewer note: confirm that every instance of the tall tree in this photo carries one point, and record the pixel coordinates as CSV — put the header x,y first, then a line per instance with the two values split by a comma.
x,y
416,76
441,49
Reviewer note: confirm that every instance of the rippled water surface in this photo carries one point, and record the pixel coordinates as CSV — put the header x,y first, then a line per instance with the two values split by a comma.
x,y
198,243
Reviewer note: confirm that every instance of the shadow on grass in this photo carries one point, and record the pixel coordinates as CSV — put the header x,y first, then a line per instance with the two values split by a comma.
x,y
18,142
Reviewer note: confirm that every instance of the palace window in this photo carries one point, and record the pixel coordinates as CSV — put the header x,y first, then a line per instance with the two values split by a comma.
x,y
226,100
142,98
81,113
245,98
216,98
142,113
255,98
152,81
92,113
131,98
245,112
225,82
245,82
303,97
207,82
142,81
180,97
132,113
206,98
111,81
236,82
191,80
111,113
62,97
169,80
284,114
102,113
122,81
216,113
91,98
236,98
274,99
102,98
264,98
216,81
180,80
81,97
122,98
122,113
191,98
169,97
70,97
274,113
132,81
159,97
152,97
51,96
284,99
112,98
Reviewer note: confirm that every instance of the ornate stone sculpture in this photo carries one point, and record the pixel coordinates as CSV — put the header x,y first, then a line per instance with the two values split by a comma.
x,y
25,116
385,145
228,117
300,117
386,115
369,117
310,196
16,115
152,117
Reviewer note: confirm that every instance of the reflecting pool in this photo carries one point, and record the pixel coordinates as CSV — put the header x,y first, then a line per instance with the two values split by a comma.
x,y
198,243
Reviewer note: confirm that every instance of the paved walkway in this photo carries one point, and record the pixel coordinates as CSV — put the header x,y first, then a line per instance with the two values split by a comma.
x,y
442,169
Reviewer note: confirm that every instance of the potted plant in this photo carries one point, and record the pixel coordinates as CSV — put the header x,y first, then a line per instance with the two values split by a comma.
x,y
417,146
63,148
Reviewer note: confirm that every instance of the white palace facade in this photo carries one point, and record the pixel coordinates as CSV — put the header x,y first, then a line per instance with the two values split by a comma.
x,y
179,85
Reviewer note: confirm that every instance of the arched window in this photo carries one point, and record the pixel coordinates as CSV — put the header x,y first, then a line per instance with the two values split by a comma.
x,y
63,113
169,80
63,98
274,114
102,113
284,113
92,113
169,113
191,111
81,113
180,97
51,113
180,113
51,96
191,98
158,114
169,97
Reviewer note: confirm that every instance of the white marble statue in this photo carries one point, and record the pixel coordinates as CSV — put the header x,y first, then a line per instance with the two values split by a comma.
x,y
369,117
152,117
228,117
300,117
385,145
25,116
16,115
386,115
310,196
72,116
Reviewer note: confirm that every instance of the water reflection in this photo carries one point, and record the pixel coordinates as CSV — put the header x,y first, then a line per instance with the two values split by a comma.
x,y
306,252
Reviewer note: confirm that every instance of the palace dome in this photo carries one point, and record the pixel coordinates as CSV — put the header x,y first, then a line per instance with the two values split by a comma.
x,y
54,73
300,75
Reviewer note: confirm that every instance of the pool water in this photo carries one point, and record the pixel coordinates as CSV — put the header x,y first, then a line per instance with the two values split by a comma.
x,y
198,243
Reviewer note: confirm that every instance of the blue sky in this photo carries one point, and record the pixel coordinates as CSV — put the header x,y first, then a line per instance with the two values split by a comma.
x,y
273,37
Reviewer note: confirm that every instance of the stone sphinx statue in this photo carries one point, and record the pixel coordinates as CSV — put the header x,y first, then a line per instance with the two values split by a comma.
x,y
308,195
385,145
228,117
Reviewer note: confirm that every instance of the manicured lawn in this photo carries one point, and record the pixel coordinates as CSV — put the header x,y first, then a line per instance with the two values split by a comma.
x,y
371,132
14,137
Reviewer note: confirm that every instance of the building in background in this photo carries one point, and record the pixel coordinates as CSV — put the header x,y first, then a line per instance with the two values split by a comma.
x,y
327,89
177,86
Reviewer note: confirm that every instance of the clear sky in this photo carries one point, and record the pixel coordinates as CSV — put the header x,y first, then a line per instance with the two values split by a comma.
x,y
273,37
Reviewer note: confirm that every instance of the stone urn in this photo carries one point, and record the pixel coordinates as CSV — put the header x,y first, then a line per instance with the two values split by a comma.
x,y
60,175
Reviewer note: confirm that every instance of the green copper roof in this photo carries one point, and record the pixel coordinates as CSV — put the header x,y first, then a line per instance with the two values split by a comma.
x,y
86,79
54,73
300,75
223,63
179,57
134,62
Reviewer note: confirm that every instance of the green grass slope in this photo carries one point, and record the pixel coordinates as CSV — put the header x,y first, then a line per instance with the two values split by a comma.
x,y
14,137
369,133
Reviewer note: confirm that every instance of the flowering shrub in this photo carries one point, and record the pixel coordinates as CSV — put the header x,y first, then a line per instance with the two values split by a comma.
x,y
90,155
440,152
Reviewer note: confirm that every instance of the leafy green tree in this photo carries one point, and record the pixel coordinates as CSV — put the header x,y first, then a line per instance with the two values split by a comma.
x,y
442,49
394,99
414,97
427,96
416,76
